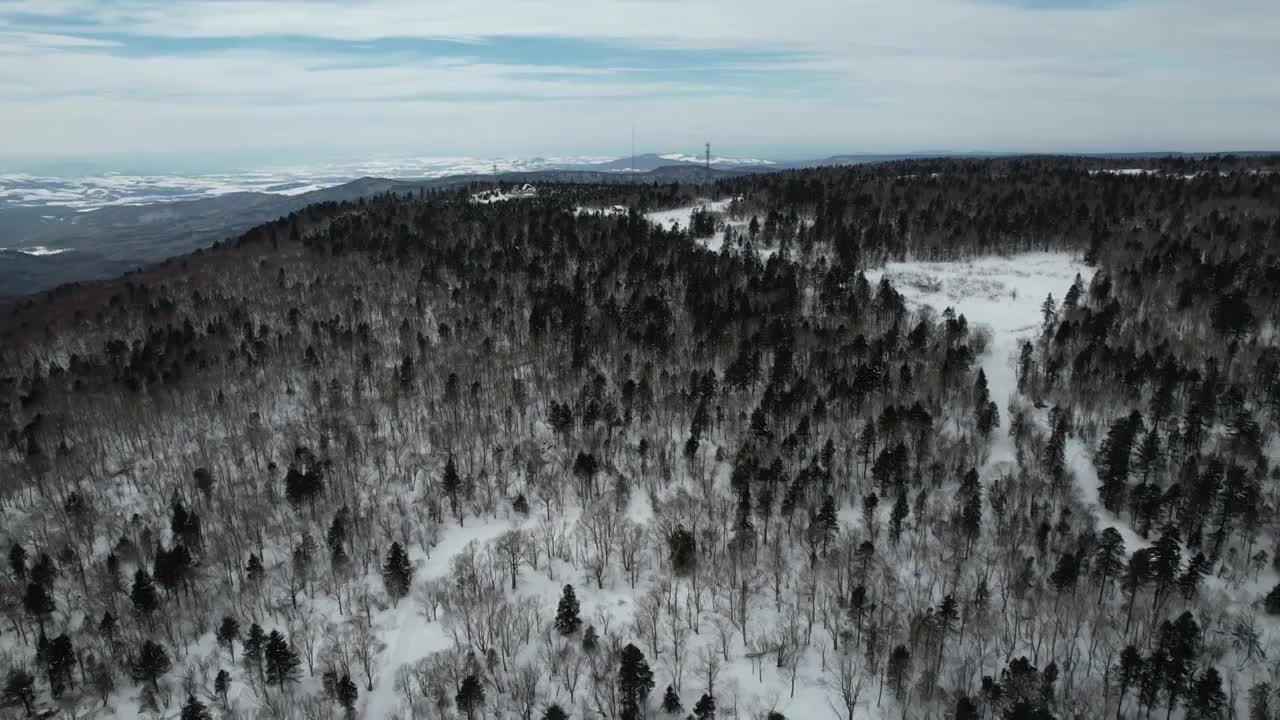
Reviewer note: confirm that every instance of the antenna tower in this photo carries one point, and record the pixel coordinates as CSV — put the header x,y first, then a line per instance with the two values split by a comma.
x,y
708,163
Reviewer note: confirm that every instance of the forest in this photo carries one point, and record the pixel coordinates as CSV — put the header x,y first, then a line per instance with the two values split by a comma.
x,y
418,457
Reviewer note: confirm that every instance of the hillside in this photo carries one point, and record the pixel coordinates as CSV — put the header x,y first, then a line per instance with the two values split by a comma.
x,y
922,439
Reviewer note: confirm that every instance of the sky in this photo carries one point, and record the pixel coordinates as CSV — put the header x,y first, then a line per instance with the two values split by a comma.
x,y
327,79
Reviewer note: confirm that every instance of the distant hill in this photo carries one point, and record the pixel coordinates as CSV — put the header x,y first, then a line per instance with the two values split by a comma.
x,y
113,240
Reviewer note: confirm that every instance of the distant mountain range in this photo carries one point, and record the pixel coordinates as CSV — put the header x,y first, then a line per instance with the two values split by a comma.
x,y
55,230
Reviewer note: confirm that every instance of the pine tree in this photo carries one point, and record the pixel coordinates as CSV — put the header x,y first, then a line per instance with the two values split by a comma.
x,y
397,573
253,568
635,680
567,620
1114,460
281,661
555,712
966,709
252,649
193,709
671,702
1272,602
19,689
61,665
227,634
1108,559
901,509
452,484
470,697
347,693
1129,672
706,708
144,597
899,668
590,640
1207,700
18,562
151,663
38,603
222,685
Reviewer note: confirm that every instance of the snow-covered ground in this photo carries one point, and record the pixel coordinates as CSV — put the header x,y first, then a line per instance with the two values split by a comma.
x,y
1003,294
680,218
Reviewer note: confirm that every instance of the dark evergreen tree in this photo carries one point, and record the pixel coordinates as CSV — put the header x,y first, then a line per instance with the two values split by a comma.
x,y
567,620
589,639
227,634
1272,602
635,680
1207,700
18,563
61,664
705,709
901,509
1114,460
20,689
150,664
397,573
144,597
193,709
555,712
222,685
966,709
253,569
470,697
280,660
253,649
671,702
451,481
347,693
1108,559
38,603
899,669
1129,672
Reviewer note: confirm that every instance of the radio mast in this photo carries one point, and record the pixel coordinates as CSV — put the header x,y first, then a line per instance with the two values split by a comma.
x,y
708,163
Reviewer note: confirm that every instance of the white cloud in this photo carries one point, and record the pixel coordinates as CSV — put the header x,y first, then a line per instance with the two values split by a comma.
x,y
910,74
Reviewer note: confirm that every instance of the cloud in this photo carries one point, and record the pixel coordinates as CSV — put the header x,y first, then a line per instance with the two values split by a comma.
x,y
536,76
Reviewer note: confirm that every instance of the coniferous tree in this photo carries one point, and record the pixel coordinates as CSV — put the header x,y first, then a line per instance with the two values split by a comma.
x,y
1114,460
347,693
227,634
590,640
901,510
18,562
705,709
222,685
1207,700
280,660
38,603
61,665
470,697
1108,559
397,573
452,484
1129,672
671,702
899,668
555,712
151,664
253,649
19,689
253,569
144,597
635,680
567,620
966,709
193,709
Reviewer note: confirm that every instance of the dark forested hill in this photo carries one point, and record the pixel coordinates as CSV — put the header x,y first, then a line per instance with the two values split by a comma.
x,y
415,455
